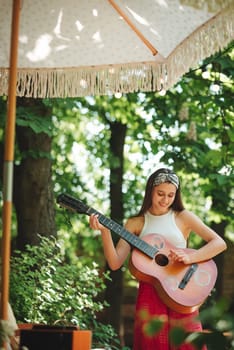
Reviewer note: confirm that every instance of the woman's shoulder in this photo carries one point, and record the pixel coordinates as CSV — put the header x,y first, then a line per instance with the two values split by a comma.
x,y
135,224
187,217
185,214
184,220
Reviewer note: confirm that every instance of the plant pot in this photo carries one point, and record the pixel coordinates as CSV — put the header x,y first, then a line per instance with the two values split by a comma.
x,y
37,337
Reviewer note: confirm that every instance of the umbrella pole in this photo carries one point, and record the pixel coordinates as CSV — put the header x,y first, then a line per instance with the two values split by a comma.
x,y
8,161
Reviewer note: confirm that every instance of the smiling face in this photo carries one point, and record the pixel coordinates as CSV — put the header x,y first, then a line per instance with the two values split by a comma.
x,y
163,196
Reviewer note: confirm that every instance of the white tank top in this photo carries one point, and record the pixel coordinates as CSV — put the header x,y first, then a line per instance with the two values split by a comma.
x,y
164,225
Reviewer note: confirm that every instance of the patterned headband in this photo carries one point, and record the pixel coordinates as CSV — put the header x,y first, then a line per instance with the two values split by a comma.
x,y
163,177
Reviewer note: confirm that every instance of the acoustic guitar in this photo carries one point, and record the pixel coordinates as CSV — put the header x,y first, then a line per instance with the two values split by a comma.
x,y
182,288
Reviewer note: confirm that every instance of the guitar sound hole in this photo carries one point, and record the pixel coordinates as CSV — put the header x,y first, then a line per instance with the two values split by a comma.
x,y
161,260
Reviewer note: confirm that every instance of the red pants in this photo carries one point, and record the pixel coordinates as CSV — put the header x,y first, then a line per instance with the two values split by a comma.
x,y
149,302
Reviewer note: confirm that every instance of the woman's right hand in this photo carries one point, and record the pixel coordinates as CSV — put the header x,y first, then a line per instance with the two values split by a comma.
x,y
115,255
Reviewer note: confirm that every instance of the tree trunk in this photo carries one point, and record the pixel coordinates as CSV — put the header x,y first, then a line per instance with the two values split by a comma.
x,y
33,190
114,290
219,259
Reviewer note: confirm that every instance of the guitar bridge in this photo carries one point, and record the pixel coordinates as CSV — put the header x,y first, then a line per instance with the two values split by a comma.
x,y
188,276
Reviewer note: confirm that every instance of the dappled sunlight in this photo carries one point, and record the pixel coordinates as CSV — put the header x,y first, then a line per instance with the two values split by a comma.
x,y
41,50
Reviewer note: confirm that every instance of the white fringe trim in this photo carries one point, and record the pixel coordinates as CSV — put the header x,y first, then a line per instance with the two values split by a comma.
x,y
215,35
145,76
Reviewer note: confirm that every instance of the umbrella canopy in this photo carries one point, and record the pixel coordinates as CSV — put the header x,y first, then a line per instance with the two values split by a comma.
x,y
78,48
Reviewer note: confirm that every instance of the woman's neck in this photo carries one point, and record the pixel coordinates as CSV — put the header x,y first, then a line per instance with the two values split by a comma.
x,y
158,212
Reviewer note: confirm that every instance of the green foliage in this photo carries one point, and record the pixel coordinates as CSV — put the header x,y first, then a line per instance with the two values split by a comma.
x,y
32,118
219,328
152,324
47,289
190,128
218,318
177,335
153,327
196,137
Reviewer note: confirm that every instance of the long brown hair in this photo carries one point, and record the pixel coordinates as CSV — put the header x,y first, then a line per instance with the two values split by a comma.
x,y
177,205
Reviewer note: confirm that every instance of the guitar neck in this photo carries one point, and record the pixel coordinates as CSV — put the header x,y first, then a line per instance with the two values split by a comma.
x,y
132,239
81,208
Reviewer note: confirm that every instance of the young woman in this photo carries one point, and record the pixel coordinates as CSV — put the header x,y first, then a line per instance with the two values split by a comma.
x,y
162,212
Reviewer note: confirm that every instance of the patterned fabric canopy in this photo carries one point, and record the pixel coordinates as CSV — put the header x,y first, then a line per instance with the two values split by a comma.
x,y
77,48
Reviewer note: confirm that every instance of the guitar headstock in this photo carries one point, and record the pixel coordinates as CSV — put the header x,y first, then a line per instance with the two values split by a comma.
x,y
71,203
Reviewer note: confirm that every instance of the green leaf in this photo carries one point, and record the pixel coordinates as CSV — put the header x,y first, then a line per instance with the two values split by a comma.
x,y
177,335
153,326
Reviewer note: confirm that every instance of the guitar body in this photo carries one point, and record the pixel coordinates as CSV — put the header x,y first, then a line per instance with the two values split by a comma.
x,y
166,276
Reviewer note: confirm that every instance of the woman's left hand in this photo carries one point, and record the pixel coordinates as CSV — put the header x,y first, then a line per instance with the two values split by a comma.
x,y
179,255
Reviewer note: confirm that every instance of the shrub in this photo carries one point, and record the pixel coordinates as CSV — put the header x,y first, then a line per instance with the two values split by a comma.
x,y
47,289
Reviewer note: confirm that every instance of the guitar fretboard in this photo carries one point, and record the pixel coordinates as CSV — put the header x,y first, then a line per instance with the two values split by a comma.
x,y
80,207
133,240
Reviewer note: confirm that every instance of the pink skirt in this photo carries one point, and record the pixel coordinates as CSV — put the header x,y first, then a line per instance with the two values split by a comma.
x,y
150,305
